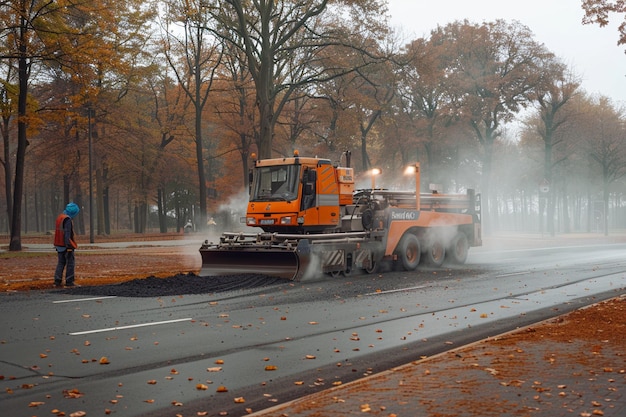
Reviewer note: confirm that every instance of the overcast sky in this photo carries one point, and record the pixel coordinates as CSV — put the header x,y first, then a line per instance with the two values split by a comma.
x,y
591,51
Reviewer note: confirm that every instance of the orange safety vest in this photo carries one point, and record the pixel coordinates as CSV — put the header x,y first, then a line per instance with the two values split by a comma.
x,y
59,232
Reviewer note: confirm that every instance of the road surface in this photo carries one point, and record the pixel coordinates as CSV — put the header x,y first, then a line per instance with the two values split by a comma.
x,y
245,349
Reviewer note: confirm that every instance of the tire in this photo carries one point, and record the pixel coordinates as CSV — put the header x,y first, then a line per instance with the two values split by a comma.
x,y
409,251
435,254
458,249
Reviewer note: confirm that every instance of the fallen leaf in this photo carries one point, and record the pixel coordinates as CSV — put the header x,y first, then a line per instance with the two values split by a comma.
x,y
222,388
271,368
72,393
104,360
240,400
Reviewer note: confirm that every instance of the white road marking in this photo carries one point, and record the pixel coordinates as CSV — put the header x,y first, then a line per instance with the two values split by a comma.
x,y
83,299
110,329
398,290
512,274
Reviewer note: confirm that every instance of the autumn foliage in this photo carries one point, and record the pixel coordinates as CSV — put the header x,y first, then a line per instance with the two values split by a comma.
x,y
147,117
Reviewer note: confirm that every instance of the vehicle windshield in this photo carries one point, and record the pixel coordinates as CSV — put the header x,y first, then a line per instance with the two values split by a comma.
x,y
276,183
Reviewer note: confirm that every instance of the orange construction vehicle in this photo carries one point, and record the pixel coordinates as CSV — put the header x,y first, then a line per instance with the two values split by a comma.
x,y
314,221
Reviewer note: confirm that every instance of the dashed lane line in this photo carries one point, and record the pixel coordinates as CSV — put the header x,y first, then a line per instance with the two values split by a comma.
x,y
110,329
78,300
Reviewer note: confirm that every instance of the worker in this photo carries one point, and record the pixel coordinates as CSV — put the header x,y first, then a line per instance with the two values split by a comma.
x,y
65,244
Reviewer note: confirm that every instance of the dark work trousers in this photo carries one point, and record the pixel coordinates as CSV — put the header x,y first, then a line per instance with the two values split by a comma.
x,y
67,262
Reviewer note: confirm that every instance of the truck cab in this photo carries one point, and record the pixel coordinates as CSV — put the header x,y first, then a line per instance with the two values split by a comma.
x,y
298,195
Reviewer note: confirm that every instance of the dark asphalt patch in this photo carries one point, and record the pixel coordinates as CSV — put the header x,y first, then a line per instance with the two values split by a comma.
x,y
177,285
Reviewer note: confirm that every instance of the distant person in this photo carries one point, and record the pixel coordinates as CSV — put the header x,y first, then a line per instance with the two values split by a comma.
x,y
65,244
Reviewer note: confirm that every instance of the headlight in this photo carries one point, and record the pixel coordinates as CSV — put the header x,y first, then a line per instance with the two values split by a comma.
x,y
285,220
250,220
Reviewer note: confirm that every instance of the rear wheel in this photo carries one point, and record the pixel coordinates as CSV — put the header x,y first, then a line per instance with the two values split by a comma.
x,y
458,249
435,254
409,251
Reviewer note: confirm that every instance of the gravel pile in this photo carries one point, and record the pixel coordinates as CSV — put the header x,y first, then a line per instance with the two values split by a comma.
x,y
177,285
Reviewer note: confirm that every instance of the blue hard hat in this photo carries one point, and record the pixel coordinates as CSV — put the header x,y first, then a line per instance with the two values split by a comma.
x,y
71,210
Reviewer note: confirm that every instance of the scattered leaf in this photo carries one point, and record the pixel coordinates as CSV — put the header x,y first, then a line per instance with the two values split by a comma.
x,y
72,393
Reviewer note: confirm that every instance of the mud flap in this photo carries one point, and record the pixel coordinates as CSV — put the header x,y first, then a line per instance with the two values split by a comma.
x,y
271,262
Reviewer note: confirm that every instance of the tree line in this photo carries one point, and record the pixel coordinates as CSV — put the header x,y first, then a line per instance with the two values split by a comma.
x,y
148,112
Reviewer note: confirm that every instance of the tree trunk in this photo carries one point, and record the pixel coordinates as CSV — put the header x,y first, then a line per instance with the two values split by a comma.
x,y
162,210
266,130
15,243
7,168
